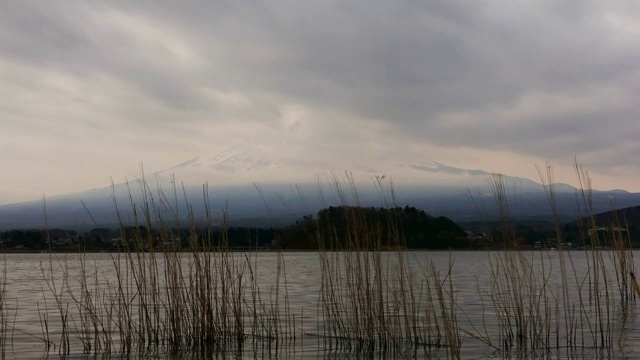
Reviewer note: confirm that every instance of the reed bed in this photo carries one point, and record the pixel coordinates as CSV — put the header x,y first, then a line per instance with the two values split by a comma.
x,y
375,299
371,300
542,305
160,298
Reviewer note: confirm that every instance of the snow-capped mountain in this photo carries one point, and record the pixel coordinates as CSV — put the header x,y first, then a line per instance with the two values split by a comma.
x,y
246,182
235,159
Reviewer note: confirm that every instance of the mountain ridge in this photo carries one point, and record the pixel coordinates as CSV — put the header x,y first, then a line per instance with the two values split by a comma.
x,y
460,194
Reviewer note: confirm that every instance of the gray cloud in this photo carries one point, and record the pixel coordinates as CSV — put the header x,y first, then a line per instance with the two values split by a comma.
x,y
537,79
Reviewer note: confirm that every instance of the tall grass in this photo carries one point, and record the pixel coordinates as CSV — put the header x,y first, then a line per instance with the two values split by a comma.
x,y
539,307
160,298
372,301
375,299
5,327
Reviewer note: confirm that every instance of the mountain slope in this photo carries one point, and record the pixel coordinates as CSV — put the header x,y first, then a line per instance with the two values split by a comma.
x,y
461,194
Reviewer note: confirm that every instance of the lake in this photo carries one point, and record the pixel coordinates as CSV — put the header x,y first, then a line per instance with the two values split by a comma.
x,y
312,305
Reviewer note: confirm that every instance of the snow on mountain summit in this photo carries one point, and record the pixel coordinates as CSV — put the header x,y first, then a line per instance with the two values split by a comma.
x,y
237,158
290,162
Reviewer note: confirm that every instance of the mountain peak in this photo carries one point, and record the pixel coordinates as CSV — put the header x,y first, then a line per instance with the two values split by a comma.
x,y
433,186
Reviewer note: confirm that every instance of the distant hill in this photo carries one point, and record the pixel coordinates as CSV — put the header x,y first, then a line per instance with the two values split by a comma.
x,y
629,216
626,218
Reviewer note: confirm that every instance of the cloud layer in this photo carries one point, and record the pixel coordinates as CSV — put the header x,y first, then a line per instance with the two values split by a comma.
x,y
89,90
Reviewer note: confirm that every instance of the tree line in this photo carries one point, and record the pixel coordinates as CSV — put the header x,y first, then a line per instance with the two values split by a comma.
x,y
341,227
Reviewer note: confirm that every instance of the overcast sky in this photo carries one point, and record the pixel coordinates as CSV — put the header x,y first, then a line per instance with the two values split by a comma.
x,y
91,89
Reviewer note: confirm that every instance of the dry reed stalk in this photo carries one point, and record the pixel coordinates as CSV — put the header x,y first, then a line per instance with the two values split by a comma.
x,y
447,305
57,291
5,340
600,293
548,183
622,255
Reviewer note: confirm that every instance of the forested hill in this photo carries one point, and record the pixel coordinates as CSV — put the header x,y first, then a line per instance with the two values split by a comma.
x,y
627,220
346,227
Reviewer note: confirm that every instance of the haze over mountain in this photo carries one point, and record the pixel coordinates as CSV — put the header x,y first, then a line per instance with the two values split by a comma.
x,y
442,190
289,163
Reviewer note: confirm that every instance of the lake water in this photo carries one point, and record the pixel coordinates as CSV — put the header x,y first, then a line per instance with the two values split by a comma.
x,y
311,305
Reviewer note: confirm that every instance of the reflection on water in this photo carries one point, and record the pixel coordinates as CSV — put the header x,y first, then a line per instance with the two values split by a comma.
x,y
561,319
